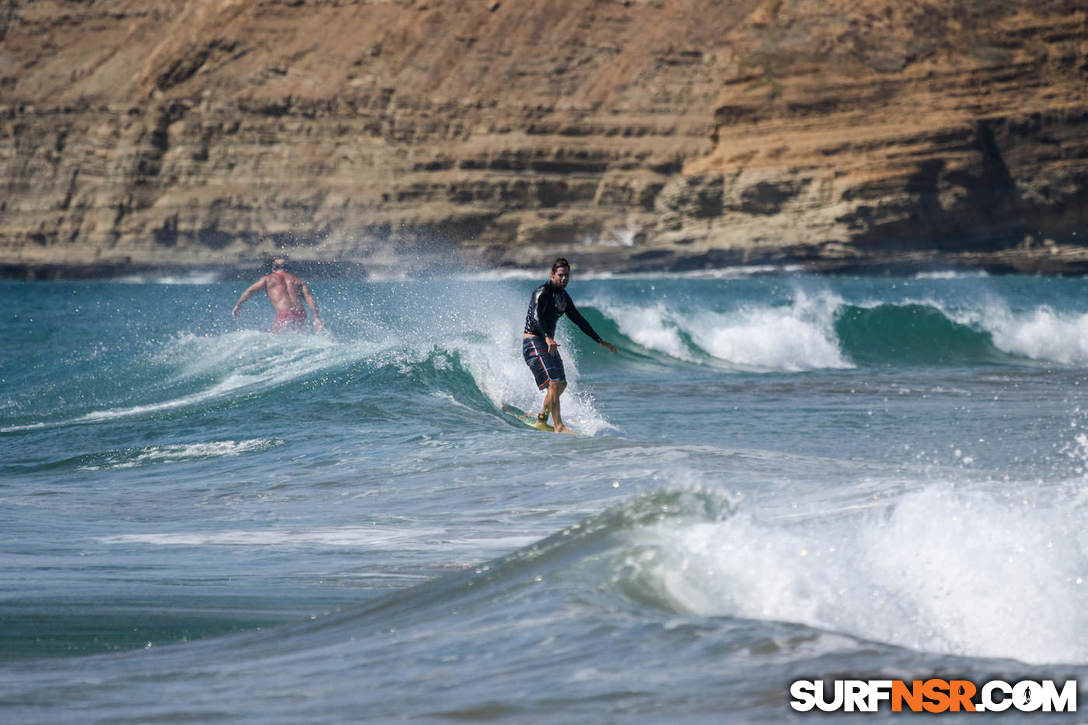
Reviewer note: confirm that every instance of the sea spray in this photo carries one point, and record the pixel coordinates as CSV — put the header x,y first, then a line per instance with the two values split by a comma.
x,y
1040,334
791,337
971,573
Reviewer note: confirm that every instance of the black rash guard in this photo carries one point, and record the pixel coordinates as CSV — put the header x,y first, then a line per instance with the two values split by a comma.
x,y
548,302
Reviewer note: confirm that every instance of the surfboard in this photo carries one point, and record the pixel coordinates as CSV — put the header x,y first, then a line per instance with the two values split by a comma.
x,y
528,419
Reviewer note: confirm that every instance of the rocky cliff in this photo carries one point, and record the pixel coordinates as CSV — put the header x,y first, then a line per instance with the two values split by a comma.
x,y
632,134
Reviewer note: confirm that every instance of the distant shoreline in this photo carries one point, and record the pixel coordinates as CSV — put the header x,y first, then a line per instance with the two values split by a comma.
x,y
1055,260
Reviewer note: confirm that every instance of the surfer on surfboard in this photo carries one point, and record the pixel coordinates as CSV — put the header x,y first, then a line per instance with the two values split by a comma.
x,y
549,301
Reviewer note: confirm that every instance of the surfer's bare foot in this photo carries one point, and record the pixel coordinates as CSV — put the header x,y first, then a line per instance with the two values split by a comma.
x,y
563,429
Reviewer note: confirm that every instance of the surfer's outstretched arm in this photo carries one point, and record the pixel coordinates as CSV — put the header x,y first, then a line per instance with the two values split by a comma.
x,y
576,317
253,288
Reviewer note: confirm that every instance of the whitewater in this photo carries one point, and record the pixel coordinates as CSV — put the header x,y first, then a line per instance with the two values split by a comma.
x,y
778,477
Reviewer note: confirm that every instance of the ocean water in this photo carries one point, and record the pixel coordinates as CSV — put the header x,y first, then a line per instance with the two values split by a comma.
x,y
777,477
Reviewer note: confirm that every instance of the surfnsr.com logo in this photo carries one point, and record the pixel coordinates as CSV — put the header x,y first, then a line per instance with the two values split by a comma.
x,y
933,695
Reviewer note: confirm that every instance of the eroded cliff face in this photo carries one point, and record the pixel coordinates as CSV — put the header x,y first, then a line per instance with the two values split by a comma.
x,y
637,134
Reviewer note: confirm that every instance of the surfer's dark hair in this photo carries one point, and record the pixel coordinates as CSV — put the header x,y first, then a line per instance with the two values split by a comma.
x,y
560,262
282,265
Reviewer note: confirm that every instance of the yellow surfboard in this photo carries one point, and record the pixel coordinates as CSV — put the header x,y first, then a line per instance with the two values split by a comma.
x,y
528,419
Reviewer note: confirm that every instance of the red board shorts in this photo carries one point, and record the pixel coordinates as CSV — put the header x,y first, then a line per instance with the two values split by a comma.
x,y
289,321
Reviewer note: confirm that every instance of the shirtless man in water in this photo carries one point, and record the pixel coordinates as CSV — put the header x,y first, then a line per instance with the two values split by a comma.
x,y
548,302
283,290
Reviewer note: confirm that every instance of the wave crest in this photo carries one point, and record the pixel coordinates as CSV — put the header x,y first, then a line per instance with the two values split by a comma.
x,y
980,576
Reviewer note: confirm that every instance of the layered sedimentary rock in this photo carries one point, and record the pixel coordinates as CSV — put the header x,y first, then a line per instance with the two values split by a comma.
x,y
637,134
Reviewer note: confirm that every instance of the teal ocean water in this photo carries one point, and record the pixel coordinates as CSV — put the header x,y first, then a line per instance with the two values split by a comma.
x,y
777,477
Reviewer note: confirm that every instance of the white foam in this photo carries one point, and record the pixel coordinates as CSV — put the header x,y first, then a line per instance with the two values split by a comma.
x,y
134,410
231,363
255,361
773,339
370,537
791,338
736,272
502,274
18,428
377,536
654,328
966,573
194,278
952,274
189,451
1041,334
541,273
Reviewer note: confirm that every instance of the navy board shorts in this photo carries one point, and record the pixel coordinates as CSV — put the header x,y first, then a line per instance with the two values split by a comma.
x,y
547,367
